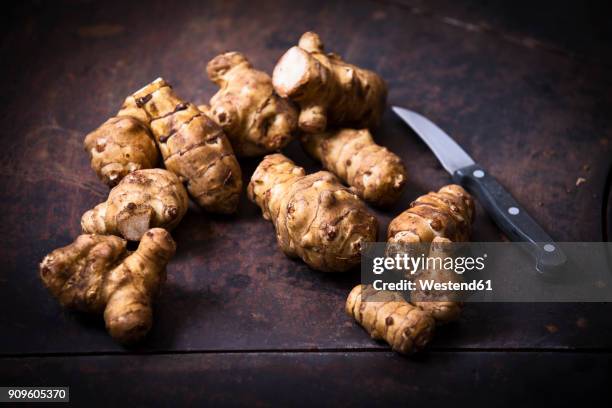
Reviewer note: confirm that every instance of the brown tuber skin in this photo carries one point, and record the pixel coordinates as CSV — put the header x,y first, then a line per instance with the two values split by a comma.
x,y
374,173
435,218
316,218
387,316
255,119
142,200
441,305
96,274
193,146
329,91
121,145
447,214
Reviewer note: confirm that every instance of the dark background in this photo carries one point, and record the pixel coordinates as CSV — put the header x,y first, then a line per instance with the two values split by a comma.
x,y
525,87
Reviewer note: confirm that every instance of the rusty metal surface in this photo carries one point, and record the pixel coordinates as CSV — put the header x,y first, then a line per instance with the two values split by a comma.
x,y
326,379
537,120
570,28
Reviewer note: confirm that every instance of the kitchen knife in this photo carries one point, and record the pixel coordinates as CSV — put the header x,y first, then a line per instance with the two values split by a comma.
x,y
507,213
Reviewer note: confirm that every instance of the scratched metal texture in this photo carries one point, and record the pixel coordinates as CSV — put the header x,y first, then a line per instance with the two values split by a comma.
x,y
538,120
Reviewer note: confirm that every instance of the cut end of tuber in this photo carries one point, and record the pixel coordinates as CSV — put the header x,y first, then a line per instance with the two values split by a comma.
x,y
291,72
134,221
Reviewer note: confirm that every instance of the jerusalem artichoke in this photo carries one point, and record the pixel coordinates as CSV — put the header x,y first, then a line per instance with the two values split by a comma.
x,y
143,199
97,274
443,306
255,119
447,214
432,218
387,316
193,146
328,90
119,146
316,218
436,218
376,174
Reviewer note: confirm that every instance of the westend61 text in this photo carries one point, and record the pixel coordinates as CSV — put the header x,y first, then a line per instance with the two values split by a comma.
x,y
433,285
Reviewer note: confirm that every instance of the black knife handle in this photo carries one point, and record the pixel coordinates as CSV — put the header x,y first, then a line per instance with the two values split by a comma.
x,y
510,217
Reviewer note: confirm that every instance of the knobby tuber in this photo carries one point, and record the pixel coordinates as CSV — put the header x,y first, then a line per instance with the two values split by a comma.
x,y
387,316
121,145
192,145
97,274
443,306
142,200
434,219
376,174
328,90
439,218
255,119
315,216
447,214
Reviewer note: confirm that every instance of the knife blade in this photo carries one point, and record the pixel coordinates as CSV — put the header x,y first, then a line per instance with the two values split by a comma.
x,y
507,213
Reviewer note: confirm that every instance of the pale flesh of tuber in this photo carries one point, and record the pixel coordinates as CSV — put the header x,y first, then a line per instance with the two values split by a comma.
x,y
329,91
142,200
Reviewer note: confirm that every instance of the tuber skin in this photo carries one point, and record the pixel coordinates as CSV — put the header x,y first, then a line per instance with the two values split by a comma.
x,y
316,218
434,219
121,145
255,119
447,214
329,91
438,218
192,145
142,200
442,308
387,316
97,274
373,172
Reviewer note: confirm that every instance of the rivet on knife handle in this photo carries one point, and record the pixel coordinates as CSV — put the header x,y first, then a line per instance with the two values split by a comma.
x,y
511,217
